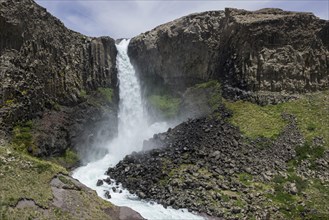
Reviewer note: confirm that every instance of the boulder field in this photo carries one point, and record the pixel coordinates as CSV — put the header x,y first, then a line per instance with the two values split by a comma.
x,y
210,166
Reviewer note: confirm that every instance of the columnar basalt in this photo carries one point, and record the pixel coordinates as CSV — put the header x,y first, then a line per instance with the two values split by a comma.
x,y
256,55
48,72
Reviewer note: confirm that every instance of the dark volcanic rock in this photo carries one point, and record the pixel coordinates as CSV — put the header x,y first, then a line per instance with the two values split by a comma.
x,y
46,71
263,56
99,182
178,53
201,163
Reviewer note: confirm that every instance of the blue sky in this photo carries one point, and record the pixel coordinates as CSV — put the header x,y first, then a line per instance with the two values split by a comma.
x,y
128,18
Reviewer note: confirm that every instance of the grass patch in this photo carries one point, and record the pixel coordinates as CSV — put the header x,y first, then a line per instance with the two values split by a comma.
x,y
65,180
10,102
318,194
68,160
23,138
214,93
311,111
245,178
297,206
107,94
308,152
256,121
23,176
167,105
289,203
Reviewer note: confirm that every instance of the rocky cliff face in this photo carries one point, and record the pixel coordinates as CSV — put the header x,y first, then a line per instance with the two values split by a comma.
x,y
180,52
254,54
45,67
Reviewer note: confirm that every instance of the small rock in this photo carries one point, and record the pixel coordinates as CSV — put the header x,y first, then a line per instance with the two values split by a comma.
x,y
107,194
141,195
236,210
99,182
224,187
108,180
114,189
292,189
234,197
248,170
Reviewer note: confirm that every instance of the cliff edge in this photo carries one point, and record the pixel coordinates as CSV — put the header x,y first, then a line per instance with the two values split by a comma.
x,y
262,56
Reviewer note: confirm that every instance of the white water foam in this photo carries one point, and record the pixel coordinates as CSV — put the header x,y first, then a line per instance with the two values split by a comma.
x,y
132,130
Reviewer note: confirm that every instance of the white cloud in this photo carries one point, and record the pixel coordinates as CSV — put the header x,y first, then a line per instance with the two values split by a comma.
x,y
129,18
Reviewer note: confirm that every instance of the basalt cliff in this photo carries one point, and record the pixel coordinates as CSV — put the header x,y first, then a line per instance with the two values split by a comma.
x,y
54,76
256,87
58,90
251,88
270,52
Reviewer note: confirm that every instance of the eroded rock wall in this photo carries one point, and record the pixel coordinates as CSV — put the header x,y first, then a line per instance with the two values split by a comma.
x,y
45,67
178,53
269,51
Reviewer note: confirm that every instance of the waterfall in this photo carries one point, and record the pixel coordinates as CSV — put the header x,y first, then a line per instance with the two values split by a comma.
x,y
132,130
131,108
132,121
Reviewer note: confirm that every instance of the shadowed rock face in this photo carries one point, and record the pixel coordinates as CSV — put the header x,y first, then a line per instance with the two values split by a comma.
x,y
180,52
267,51
43,64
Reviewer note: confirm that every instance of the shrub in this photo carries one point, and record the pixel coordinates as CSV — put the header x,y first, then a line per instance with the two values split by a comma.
x,y
107,93
22,137
166,104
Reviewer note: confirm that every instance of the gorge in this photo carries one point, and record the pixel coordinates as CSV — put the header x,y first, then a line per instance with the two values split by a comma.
x,y
219,115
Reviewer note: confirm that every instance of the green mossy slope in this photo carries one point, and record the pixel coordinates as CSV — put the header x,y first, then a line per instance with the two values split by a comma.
x,y
35,189
311,111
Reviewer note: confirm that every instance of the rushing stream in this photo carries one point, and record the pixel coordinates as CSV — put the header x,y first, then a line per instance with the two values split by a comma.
x,y
132,130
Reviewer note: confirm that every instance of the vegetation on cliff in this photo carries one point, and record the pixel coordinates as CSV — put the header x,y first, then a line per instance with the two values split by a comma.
x,y
165,104
47,75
